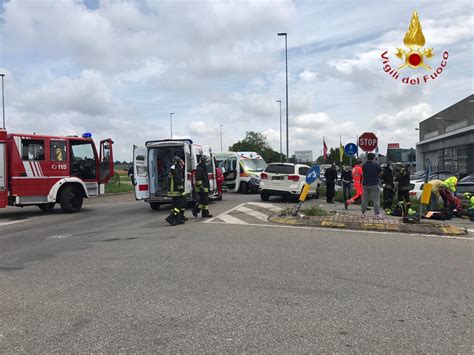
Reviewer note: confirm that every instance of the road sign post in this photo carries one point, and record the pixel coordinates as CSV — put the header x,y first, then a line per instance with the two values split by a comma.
x,y
312,175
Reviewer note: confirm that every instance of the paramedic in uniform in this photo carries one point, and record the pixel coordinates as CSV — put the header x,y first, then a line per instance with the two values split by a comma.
x,y
202,186
176,192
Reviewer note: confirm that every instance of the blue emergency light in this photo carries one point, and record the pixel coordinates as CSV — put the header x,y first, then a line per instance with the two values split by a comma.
x,y
87,135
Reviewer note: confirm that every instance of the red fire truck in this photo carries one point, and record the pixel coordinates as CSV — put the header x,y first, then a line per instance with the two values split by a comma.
x,y
42,170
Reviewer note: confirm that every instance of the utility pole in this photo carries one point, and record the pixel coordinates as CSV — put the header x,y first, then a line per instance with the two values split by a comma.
x,y
287,131
220,128
171,123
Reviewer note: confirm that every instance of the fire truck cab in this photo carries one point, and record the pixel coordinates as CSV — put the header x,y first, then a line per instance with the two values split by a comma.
x,y
43,170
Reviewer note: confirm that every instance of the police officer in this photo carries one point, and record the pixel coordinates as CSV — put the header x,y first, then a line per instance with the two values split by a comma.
x,y
176,192
202,187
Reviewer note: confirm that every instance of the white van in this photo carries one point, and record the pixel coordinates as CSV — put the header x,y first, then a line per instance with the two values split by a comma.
x,y
242,171
151,165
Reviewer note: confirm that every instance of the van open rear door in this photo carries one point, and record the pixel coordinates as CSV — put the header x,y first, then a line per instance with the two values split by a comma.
x,y
140,173
3,169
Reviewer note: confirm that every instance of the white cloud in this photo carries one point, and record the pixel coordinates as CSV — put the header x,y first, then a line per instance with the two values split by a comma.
x,y
119,69
308,75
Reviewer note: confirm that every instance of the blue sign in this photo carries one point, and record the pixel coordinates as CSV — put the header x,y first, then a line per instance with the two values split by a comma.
x,y
313,174
350,149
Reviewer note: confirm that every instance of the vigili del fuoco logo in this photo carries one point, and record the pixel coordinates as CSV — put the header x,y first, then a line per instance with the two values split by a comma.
x,y
414,56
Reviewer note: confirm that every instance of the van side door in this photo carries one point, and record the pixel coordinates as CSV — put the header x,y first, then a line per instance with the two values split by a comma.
x,y
140,173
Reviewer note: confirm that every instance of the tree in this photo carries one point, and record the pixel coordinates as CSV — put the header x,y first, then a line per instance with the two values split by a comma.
x,y
256,142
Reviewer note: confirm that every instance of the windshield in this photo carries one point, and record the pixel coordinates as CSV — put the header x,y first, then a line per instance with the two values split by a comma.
x,y
254,164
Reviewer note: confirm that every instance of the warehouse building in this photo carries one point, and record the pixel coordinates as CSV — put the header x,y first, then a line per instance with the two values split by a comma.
x,y
447,139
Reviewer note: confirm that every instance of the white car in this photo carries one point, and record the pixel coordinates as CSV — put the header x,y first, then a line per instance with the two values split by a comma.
x,y
417,189
284,179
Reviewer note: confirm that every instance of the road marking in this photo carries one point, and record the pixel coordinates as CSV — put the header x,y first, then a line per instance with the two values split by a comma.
x,y
229,219
232,219
11,222
253,213
60,236
267,206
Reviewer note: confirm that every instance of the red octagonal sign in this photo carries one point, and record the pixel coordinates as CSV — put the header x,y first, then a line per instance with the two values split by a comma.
x,y
368,142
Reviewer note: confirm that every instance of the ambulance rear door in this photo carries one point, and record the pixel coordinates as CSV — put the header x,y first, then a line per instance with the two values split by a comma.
x,y
140,173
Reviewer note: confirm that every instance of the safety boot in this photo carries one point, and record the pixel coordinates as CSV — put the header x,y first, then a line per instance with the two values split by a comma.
x,y
170,219
195,211
205,214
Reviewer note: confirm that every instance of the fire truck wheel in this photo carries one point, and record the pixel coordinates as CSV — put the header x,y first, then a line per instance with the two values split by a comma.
x,y
46,207
155,206
70,199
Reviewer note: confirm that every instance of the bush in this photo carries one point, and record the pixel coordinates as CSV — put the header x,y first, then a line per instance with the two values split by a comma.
x,y
314,211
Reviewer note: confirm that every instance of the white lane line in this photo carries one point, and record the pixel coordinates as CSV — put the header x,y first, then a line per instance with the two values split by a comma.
x,y
349,231
267,206
60,236
253,213
230,219
11,222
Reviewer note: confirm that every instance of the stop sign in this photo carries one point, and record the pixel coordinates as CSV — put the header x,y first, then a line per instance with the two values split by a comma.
x,y
368,141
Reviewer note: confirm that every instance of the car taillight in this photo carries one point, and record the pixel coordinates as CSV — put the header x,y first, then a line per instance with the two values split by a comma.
x,y
295,178
264,176
412,193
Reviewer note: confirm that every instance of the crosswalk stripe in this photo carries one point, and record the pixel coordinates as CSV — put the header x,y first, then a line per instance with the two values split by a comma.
x,y
230,219
253,213
267,206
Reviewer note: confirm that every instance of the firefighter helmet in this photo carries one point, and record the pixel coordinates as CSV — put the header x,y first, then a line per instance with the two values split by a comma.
x,y
176,160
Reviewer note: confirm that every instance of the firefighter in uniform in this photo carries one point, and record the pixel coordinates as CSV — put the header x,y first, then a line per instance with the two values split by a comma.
x,y
176,192
202,186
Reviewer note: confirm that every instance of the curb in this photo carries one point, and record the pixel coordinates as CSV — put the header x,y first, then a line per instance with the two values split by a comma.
x,y
326,222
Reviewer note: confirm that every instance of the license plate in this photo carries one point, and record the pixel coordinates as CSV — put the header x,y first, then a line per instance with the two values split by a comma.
x,y
278,178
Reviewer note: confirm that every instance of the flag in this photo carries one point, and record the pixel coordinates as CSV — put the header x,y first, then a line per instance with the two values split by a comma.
x,y
341,150
325,150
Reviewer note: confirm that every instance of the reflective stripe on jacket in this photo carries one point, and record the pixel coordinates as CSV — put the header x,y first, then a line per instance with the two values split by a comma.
x,y
176,182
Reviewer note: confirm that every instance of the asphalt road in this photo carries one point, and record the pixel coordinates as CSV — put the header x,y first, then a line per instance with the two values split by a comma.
x,y
115,277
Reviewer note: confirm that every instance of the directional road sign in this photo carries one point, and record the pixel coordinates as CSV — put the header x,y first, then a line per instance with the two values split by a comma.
x,y
313,174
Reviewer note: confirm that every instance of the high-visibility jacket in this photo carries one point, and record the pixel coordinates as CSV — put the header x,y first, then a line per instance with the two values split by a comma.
x,y
357,174
202,179
451,183
176,182
435,185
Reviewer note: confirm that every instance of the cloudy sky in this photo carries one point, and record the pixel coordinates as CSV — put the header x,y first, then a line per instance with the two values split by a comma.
x,y
118,68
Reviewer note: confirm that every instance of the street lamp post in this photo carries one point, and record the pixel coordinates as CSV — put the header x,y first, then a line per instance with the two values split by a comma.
x,y
281,145
220,128
3,101
171,123
286,61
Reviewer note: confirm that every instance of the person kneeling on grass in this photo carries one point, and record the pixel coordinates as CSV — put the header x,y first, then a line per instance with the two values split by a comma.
x,y
371,191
